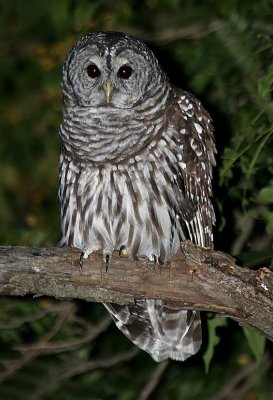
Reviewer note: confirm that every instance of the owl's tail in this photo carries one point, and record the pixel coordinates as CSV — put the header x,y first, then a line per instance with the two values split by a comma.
x,y
159,330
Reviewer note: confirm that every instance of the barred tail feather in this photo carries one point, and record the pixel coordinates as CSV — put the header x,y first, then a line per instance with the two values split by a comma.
x,y
161,331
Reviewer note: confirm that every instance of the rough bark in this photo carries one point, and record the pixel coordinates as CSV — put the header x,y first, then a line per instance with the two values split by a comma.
x,y
195,278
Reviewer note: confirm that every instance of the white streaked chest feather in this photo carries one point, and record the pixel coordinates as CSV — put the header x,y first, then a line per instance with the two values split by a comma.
x,y
107,208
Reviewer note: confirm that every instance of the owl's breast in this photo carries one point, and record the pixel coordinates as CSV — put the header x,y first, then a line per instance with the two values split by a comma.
x,y
97,136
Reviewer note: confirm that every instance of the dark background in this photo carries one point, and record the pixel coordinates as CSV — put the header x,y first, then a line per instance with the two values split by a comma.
x,y
222,52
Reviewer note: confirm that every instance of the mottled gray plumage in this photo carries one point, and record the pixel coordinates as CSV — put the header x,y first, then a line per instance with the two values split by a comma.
x,y
135,174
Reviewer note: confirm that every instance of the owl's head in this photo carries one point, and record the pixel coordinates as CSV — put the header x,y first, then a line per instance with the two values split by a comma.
x,y
111,69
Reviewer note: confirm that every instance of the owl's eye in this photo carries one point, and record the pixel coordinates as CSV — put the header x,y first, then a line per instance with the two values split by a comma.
x,y
125,72
93,71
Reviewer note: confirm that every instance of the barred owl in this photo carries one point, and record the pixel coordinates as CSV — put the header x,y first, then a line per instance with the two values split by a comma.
x,y
135,174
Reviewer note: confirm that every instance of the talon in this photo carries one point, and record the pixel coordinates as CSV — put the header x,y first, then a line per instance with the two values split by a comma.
x,y
82,257
106,260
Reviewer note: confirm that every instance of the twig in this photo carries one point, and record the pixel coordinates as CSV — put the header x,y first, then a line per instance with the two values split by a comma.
x,y
63,374
71,345
83,367
192,32
153,381
18,322
14,366
244,377
245,226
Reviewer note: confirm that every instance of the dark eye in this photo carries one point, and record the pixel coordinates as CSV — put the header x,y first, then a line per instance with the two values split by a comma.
x,y
125,72
93,71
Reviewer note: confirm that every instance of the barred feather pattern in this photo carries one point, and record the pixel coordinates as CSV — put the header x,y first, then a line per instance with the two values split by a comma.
x,y
139,178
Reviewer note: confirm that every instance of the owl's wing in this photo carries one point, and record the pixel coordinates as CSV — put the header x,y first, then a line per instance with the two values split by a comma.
x,y
192,143
161,331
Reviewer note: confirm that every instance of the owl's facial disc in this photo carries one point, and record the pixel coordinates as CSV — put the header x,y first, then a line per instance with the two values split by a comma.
x,y
112,70
115,77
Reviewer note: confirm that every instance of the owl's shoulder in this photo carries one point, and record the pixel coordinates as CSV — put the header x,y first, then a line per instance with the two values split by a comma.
x,y
190,118
191,108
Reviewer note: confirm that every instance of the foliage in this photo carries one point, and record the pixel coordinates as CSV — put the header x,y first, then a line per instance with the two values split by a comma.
x,y
256,342
220,51
213,339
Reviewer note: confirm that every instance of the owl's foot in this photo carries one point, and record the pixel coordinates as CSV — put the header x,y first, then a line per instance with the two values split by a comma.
x,y
107,254
106,258
123,251
153,258
83,256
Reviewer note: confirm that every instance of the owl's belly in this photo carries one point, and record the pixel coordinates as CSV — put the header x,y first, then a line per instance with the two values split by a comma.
x,y
141,233
105,216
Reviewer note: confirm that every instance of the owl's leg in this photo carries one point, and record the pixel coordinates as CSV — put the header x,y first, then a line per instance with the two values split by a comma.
x,y
107,254
123,251
106,260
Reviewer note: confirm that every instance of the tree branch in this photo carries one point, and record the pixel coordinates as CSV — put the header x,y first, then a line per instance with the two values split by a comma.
x,y
195,278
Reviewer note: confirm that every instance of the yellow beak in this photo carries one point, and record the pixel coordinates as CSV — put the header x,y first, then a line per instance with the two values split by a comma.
x,y
108,88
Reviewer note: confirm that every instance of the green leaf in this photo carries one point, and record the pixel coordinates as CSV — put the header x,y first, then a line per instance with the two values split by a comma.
x,y
213,339
269,223
256,342
250,258
266,195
